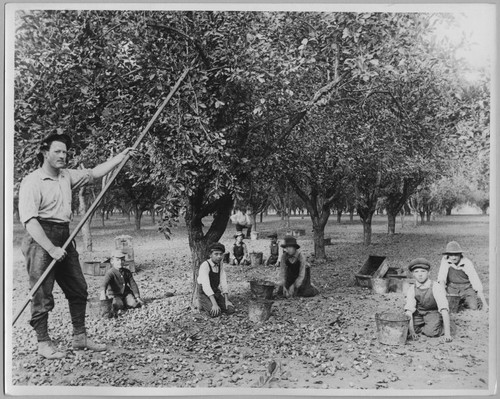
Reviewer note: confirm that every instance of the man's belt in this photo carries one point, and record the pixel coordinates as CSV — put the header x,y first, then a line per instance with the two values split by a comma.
x,y
51,223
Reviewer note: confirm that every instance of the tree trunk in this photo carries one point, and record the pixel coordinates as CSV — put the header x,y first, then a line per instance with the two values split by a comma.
x,y
153,215
137,218
339,216
367,230
403,213
319,224
198,241
428,215
391,222
261,216
448,210
254,221
103,217
351,214
422,216
86,234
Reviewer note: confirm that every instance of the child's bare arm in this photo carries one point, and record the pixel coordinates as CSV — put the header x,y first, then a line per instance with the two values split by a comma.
x,y
481,296
446,323
411,327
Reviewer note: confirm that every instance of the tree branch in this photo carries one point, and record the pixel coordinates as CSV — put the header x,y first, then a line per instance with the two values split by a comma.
x,y
194,42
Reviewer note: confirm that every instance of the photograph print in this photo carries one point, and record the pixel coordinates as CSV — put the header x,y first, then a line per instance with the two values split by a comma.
x,y
249,199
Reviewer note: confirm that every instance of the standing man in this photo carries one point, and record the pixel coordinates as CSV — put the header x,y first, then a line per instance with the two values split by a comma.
x,y
45,211
242,221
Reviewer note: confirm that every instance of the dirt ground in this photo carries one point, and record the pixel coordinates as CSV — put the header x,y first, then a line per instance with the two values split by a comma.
x,y
326,342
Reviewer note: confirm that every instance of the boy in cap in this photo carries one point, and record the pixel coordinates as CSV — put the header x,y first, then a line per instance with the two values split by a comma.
x,y
240,251
295,272
458,274
120,285
426,303
275,250
212,284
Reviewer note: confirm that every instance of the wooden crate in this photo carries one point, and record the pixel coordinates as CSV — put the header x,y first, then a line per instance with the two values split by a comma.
x,y
95,268
296,232
374,267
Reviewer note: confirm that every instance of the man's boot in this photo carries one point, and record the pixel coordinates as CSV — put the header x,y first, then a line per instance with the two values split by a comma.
x,y
81,341
48,350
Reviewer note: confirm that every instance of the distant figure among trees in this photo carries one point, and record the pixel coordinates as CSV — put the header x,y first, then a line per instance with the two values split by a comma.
x,y
242,221
240,251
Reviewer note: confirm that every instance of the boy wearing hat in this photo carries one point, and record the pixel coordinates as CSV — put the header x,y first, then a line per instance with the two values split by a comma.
x,y
45,211
426,303
120,285
458,275
295,272
212,284
275,250
240,251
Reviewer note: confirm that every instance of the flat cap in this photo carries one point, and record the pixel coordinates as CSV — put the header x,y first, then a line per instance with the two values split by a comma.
x,y
117,253
217,247
419,263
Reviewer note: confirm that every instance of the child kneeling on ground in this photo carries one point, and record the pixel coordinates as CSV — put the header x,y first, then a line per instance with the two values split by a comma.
x,y
426,303
119,284
240,251
458,275
275,250
212,284
295,272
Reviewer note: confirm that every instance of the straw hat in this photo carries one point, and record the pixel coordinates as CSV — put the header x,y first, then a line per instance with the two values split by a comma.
x,y
453,248
290,242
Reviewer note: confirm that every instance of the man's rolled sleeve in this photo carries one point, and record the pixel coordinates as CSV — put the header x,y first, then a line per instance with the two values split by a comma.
x,y
440,296
411,302
80,177
29,201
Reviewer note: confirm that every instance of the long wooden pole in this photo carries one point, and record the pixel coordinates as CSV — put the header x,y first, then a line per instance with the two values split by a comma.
x,y
95,204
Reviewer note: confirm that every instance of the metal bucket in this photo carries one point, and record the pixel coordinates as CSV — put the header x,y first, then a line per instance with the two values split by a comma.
x,y
453,302
392,328
380,285
259,310
262,289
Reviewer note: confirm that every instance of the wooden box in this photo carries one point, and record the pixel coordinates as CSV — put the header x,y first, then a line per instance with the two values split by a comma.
x,y
296,232
95,268
374,267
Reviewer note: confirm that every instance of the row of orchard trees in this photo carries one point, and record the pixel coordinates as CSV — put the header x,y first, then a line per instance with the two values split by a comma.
x,y
333,106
